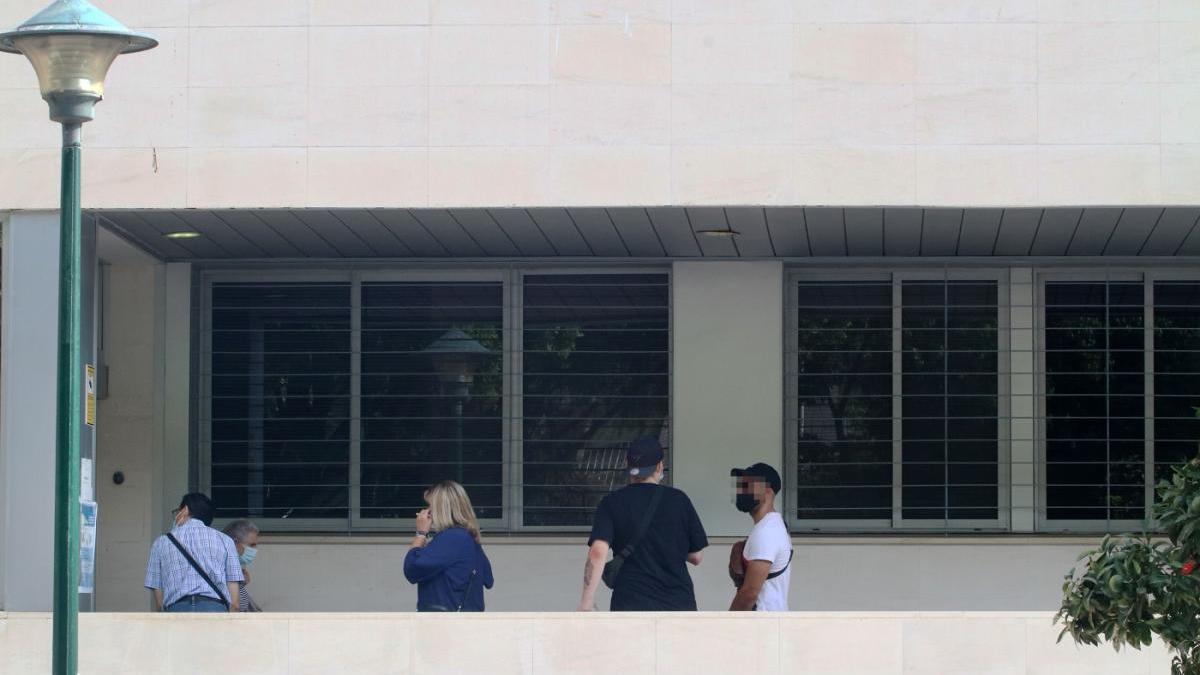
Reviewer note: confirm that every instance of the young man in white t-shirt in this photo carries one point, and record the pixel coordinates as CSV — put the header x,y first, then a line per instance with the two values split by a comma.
x,y
761,567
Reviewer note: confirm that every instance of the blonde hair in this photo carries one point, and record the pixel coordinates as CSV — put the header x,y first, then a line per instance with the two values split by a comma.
x,y
449,506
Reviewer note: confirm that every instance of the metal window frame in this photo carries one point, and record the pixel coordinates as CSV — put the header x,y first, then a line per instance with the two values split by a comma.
x,y
1003,375
895,276
1152,277
511,276
203,424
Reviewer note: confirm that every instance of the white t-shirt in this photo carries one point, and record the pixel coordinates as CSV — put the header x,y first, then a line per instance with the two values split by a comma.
x,y
769,540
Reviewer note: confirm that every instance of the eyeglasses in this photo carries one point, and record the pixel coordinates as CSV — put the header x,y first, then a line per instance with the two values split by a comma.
x,y
175,511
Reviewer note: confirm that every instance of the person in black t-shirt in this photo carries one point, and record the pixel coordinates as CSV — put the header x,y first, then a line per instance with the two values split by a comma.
x,y
655,576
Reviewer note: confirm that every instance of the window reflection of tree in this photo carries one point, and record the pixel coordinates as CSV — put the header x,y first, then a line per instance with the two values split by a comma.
x,y
596,373
844,375
845,413
949,427
1095,360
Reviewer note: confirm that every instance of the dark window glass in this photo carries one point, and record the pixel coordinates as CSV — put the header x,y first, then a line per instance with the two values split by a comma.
x,y
948,413
280,400
844,401
432,394
949,417
596,375
1176,374
1095,406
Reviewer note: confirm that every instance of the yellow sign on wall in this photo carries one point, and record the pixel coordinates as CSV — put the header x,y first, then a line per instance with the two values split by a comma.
x,y
89,407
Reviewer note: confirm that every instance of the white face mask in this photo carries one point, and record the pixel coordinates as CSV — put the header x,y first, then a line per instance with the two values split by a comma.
x,y
247,556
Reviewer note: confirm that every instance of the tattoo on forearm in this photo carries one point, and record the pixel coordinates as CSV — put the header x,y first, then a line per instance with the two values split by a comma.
x,y
587,573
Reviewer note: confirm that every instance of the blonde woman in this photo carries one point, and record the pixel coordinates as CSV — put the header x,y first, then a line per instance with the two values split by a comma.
x,y
445,559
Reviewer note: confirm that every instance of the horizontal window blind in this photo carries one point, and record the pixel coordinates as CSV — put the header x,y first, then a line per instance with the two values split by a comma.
x,y
333,406
1176,374
595,375
432,394
896,411
1095,408
280,400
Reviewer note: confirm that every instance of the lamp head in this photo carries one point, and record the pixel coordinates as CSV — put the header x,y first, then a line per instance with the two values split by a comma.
x,y
71,45
456,356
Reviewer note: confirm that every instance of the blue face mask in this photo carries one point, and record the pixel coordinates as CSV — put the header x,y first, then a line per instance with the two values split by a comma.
x,y
247,556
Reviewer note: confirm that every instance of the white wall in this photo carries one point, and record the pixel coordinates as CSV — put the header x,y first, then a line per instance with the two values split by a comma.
x,y
411,103
727,380
27,409
541,644
851,574
126,439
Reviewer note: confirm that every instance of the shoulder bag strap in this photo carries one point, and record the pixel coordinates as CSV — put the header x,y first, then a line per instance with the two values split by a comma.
x,y
201,572
643,526
772,575
471,580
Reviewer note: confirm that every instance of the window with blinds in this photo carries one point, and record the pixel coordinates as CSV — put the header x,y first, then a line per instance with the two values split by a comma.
x,y
1122,367
949,400
279,403
1176,374
431,394
895,416
843,419
335,405
595,375
1095,362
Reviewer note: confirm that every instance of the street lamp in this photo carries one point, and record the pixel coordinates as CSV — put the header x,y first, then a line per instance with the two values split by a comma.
x,y
71,45
457,356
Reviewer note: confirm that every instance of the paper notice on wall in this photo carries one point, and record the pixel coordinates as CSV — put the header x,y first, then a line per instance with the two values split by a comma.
x,y
86,482
88,511
89,408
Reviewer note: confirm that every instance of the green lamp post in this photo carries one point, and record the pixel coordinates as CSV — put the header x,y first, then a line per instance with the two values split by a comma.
x,y
71,45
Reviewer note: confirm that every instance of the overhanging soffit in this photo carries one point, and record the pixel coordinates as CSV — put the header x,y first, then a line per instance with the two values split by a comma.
x,y
658,232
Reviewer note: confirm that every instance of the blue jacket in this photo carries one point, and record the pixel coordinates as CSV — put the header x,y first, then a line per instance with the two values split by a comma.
x,y
442,569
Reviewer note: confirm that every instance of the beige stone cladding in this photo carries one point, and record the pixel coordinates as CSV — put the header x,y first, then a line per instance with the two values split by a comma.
x,y
279,103
880,643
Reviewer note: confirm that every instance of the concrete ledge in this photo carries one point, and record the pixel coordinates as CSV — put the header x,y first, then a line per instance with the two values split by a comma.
x,y
826,643
580,539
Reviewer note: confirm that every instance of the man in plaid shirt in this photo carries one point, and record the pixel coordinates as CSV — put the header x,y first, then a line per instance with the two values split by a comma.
x,y
175,584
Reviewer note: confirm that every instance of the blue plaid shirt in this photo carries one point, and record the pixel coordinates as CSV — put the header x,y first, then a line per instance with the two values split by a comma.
x,y
170,572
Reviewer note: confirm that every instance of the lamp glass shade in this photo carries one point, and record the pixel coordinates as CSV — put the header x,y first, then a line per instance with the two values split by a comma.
x,y
71,64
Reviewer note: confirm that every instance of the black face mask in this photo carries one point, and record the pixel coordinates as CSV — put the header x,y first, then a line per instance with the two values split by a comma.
x,y
746,503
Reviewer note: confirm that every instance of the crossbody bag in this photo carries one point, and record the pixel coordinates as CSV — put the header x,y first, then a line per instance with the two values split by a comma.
x,y
613,567
201,572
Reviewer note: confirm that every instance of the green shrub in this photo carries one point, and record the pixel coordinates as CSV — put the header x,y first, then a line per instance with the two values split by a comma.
x,y
1134,587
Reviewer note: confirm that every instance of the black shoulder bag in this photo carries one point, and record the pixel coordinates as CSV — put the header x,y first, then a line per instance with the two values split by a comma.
x,y
613,567
201,572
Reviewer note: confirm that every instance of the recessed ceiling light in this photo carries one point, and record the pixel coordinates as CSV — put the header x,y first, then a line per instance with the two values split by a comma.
x,y
183,235
726,232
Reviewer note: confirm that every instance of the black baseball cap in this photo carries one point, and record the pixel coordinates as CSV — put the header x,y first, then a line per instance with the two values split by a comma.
x,y
643,456
760,470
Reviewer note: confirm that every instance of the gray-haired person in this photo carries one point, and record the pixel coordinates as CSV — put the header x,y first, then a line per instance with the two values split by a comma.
x,y
244,534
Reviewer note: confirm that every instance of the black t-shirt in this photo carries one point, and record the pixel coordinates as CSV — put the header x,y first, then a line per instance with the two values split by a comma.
x,y
655,577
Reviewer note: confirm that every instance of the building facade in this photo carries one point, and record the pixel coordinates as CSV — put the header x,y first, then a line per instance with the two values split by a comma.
x,y
937,261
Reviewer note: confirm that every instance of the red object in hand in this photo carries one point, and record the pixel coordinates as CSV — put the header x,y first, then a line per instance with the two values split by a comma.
x,y
1188,568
